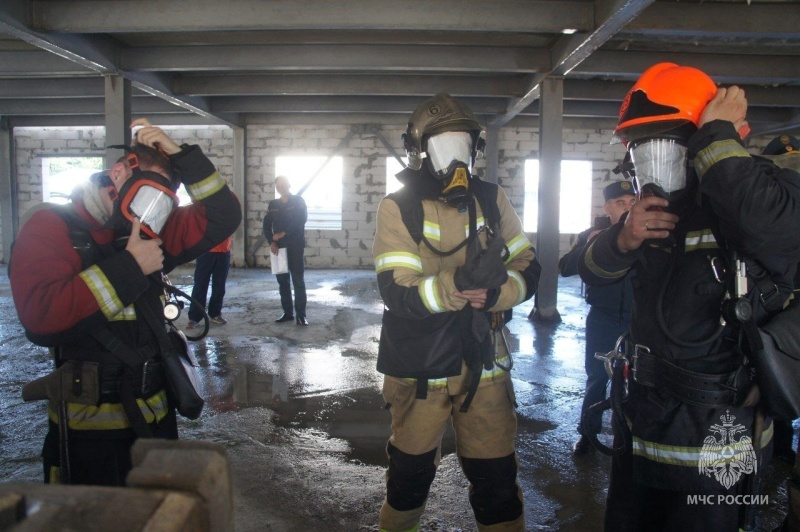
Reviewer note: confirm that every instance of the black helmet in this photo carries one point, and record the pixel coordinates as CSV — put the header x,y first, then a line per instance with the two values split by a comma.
x,y
437,115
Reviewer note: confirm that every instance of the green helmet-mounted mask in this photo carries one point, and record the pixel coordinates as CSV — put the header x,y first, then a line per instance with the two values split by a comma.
x,y
445,133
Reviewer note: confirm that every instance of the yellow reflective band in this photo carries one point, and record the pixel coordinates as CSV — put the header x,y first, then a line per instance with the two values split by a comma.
x,y
102,291
205,188
522,288
390,261
127,314
479,223
700,240
431,231
111,416
517,245
496,370
667,454
597,270
435,384
767,435
716,152
430,295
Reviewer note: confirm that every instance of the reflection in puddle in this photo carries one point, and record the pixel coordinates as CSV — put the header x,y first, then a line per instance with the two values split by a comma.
x,y
315,393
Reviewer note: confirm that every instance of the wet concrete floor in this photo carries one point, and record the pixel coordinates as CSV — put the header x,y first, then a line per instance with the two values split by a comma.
x,y
300,413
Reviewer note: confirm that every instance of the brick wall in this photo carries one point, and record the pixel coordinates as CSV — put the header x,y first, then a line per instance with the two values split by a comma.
x,y
364,165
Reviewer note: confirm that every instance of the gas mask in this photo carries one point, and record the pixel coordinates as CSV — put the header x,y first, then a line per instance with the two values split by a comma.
x,y
449,157
147,196
660,167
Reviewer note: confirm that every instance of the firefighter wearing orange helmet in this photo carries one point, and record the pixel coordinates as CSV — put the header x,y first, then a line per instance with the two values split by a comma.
x,y
712,243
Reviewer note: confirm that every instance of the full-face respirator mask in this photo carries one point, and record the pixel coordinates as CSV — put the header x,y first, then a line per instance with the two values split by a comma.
x,y
444,135
660,167
449,157
148,196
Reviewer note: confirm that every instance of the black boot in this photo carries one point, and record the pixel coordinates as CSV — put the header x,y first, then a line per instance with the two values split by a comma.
x,y
284,317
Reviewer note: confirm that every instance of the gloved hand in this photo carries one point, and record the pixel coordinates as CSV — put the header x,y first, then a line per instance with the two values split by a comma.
x,y
485,270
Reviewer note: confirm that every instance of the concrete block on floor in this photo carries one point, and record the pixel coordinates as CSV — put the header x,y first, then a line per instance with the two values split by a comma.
x,y
199,468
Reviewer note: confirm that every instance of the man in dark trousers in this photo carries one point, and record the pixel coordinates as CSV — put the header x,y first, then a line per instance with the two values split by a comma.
x,y
284,227
211,267
609,313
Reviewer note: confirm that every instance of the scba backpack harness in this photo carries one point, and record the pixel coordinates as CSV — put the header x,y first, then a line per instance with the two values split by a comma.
x,y
145,371
475,326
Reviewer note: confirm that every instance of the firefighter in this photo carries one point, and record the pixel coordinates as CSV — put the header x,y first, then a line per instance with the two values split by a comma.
x,y
689,435
450,257
87,272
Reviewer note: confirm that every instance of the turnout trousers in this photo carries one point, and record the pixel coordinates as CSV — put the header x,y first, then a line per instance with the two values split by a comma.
x,y
485,444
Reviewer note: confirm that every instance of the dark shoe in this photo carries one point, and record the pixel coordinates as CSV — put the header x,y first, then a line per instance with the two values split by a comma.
x,y
302,321
582,446
284,317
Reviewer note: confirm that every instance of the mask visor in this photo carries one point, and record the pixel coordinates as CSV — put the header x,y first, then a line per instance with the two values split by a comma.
x,y
151,203
446,148
660,162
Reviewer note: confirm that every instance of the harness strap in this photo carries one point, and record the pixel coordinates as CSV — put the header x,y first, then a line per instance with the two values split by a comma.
x,y
699,389
422,389
127,395
771,295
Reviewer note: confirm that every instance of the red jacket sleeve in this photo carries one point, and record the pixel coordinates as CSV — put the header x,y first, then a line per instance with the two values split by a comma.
x,y
213,215
55,298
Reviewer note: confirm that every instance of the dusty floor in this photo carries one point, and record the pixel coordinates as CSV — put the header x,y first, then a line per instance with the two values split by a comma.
x,y
300,413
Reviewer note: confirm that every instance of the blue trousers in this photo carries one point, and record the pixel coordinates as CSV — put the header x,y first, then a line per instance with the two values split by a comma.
x,y
294,257
602,331
210,268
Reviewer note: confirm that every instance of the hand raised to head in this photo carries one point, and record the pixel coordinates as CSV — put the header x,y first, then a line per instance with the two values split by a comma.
x,y
155,137
728,104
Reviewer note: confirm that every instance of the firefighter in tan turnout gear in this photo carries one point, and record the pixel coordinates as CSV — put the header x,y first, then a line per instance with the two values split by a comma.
x,y
451,257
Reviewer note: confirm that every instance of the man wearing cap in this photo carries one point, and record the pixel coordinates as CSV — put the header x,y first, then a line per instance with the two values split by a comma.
x,y
782,145
609,312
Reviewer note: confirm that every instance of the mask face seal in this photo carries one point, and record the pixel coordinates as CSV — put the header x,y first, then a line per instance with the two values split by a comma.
x,y
660,166
448,149
148,197
449,156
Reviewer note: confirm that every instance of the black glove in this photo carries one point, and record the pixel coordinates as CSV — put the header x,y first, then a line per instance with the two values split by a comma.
x,y
486,270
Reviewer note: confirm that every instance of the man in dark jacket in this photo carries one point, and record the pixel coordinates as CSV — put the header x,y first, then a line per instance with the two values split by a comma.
x,y
608,317
83,297
284,227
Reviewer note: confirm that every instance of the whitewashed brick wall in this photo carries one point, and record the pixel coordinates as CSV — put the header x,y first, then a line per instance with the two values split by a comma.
x,y
363,178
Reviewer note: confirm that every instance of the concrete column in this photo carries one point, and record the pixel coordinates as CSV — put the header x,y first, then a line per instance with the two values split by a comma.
x,y
551,121
240,189
118,115
492,153
8,189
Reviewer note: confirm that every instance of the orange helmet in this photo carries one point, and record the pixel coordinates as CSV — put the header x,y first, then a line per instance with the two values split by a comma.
x,y
666,96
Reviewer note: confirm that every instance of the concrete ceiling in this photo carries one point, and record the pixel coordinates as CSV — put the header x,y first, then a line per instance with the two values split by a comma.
x,y
241,62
